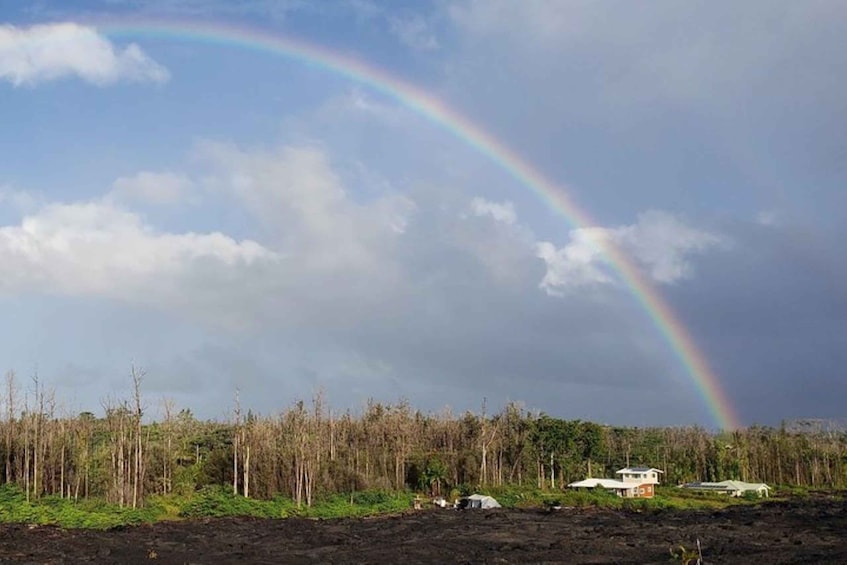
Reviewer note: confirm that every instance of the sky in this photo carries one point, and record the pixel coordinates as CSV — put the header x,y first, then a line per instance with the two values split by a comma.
x,y
228,218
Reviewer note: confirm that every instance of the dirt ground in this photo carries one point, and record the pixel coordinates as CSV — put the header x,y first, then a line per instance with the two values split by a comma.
x,y
802,531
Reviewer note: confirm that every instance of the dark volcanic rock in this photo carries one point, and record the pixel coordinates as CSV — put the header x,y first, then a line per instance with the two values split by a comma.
x,y
803,531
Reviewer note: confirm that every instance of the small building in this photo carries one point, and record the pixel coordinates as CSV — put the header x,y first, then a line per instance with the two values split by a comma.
x,y
635,482
732,488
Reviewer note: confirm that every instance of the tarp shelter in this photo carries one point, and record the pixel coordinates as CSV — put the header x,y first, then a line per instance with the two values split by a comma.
x,y
478,501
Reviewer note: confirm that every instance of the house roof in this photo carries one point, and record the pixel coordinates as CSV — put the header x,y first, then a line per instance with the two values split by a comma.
x,y
638,470
740,486
605,483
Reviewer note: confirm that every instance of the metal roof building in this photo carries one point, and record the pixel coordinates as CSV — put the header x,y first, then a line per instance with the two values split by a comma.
x,y
732,488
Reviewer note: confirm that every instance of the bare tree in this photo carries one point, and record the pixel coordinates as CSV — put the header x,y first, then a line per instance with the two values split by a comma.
x,y
167,448
235,439
11,407
137,375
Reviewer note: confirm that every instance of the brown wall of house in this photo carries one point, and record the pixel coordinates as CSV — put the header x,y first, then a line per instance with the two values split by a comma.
x,y
649,491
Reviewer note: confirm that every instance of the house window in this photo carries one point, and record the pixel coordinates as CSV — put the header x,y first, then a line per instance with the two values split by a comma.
x,y
641,491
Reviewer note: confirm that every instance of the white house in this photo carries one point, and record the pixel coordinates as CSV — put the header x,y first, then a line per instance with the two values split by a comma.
x,y
636,482
732,488
641,475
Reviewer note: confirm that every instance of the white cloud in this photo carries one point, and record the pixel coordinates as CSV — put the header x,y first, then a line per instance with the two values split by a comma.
x,y
662,244
95,248
41,53
659,242
502,212
304,206
318,244
415,32
575,265
152,188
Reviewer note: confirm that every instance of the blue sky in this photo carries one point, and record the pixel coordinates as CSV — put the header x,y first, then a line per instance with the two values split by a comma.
x,y
230,218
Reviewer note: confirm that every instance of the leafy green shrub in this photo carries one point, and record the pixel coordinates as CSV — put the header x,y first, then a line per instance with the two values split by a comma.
x,y
218,501
599,498
371,497
464,489
11,495
515,496
69,514
185,480
364,503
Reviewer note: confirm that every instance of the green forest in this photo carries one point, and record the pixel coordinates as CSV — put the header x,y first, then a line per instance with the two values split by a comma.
x,y
308,452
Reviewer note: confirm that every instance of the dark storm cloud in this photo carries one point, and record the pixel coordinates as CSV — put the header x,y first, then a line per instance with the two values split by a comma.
x,y
681,106
772,317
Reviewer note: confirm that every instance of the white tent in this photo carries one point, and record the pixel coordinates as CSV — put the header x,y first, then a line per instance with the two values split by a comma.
x,y
478,501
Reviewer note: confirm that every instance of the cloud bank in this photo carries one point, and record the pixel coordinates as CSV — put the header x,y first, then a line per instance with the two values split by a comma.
x,y
383,293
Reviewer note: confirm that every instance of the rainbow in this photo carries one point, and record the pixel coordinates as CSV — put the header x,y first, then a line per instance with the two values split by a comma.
x,y
705,380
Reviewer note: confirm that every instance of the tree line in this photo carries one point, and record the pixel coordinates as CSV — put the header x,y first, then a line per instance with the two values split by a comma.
x,y
309,450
